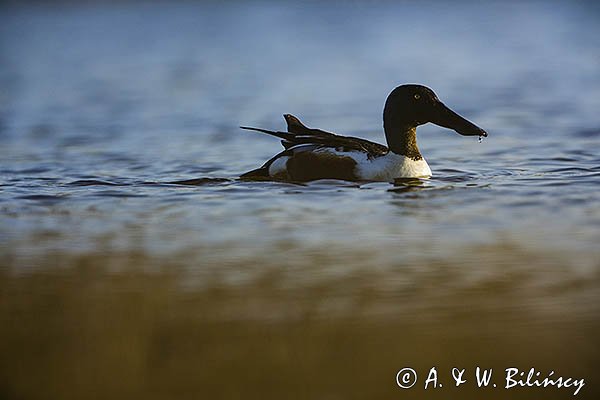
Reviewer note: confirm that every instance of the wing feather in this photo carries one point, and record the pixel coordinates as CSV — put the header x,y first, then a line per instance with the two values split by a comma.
x,y
298,133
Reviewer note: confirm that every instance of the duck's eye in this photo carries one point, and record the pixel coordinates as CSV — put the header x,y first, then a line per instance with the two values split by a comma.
x,y
417,96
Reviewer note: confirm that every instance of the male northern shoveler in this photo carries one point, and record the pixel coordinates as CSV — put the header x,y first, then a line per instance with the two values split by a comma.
x,y
312,154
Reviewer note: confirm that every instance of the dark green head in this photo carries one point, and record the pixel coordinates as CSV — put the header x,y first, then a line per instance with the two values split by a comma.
x,y
409,106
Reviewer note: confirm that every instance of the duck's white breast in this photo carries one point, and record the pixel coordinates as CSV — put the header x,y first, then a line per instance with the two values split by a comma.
x,y
391,166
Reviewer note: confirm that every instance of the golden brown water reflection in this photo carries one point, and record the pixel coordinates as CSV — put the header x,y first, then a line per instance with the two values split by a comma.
x,y
130,326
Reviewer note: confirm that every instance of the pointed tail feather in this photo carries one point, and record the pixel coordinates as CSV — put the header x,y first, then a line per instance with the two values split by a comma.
x,y
282,135
257,173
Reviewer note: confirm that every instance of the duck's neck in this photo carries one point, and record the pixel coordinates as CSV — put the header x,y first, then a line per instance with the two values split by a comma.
x,y
402,139
400,131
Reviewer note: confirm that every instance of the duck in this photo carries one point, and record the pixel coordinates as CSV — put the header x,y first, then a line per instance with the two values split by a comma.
x,y
312,154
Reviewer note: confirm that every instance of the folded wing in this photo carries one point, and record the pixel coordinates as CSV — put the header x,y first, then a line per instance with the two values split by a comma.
x,y
297,133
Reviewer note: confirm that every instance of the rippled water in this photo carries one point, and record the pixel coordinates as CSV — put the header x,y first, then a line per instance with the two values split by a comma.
x,y
106,109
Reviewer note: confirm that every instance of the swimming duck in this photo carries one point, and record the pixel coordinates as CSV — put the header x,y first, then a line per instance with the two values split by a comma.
x,y
312,154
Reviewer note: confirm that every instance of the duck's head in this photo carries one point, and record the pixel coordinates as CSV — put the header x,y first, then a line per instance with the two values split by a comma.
x,y
409,106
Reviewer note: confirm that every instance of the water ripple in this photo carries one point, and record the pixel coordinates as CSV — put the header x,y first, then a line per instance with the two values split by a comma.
x,y
91,182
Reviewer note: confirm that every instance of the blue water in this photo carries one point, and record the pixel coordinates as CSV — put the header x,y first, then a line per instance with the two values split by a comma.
x,y
133,94
103,106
